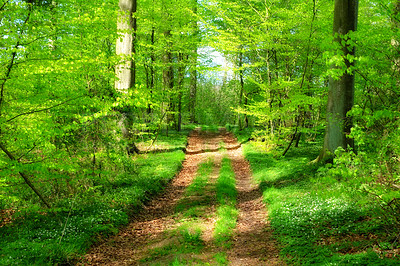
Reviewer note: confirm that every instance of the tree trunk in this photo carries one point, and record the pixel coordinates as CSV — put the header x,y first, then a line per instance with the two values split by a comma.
x,y
246,117
341,90
125,48
125,71
241,89
168,76
25,176
395,41
181,77
193,72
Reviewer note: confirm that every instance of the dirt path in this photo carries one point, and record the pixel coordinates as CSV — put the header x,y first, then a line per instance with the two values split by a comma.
x,y
252,241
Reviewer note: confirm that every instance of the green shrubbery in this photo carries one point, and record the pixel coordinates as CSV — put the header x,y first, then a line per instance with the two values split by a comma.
x,y
321,214
96,209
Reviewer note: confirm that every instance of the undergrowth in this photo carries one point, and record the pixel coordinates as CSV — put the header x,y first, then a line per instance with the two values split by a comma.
x,y
59,235
226,211
317,220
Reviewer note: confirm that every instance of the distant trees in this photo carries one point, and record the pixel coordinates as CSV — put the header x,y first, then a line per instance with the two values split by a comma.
x,y
80,82
65,83
277,51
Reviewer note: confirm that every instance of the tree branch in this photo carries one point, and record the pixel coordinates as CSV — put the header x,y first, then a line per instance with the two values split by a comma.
x,y
11,63
4,5
24,176
44,109
22,156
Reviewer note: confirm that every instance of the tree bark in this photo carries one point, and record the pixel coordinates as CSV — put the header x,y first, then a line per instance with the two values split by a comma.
x,y
193,72
168,76
125,47
241,88
125,71
341,90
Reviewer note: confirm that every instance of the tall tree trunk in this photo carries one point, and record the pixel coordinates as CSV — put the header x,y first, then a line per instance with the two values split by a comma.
x,y
152,73
181,76
246,117
125,71
125,47
241,88
193,72
168,76
341,90
395,41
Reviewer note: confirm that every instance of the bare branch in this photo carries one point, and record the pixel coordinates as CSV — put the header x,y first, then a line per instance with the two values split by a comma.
x,y
44,109
11,63
4,5
22,156
38,38
24,176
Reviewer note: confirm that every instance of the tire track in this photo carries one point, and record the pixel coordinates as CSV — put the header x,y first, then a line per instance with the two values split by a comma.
x,y
253,243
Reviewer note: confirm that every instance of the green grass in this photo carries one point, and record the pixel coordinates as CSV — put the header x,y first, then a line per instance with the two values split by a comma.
x,y
315,221
187,240
226,211
210,128
189,212
221,258
65,232
174,141
196,198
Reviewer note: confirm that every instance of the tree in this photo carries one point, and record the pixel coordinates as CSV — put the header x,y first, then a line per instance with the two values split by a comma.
x,y
341,86
193,72
125,71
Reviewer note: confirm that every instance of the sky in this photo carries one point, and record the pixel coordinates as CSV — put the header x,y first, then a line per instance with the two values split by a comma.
x,y
211,57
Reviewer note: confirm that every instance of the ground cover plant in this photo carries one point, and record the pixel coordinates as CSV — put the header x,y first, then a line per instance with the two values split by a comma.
x,y
226,211
87,85
318,221
60,234
189,215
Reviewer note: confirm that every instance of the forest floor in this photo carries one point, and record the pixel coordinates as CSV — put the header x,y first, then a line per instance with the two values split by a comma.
x,y
154,236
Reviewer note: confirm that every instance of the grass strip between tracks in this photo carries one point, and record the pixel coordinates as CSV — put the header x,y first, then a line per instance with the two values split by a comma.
x,y
226,211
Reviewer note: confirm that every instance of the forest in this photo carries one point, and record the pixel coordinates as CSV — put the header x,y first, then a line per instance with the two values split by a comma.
x,y
199,132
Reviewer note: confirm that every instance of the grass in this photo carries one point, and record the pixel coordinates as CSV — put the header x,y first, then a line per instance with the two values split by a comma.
x,y
190,211
65,232
226,211
174,141
221,258
210,128
196,198
315,221
186,240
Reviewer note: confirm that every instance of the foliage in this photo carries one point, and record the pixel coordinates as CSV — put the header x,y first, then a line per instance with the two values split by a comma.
x,y
317,219
68,229
62,148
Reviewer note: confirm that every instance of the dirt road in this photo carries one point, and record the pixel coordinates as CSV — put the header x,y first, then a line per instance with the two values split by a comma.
x,y
252,243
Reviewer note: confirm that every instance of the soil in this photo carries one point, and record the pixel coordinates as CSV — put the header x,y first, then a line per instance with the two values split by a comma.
x,y
252,242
